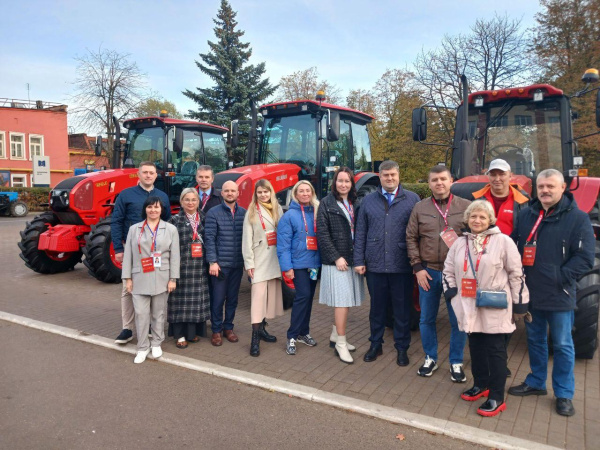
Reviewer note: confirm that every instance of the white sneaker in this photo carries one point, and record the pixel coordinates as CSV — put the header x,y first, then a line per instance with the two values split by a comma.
x,y
428,367
140,357
156,352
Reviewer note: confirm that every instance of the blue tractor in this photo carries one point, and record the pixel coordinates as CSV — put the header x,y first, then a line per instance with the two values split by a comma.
x,y
10,205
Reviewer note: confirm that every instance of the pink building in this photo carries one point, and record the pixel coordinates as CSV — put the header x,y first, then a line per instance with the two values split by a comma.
x,y
29,128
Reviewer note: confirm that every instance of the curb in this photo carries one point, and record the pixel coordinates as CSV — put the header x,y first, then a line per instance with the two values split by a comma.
x,y
394,415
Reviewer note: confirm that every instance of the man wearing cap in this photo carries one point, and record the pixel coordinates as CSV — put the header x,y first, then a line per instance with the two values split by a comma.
x,y
507,199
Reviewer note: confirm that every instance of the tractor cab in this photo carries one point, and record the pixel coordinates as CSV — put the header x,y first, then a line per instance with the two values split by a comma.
x,y
177,147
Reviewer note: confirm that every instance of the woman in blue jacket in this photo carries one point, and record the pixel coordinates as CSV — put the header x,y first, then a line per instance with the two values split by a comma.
x,y
299,260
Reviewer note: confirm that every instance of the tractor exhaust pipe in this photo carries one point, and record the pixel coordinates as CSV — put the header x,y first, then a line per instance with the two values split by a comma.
x,y
465,159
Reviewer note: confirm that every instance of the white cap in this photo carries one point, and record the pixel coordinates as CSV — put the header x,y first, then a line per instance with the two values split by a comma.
x,y
498,164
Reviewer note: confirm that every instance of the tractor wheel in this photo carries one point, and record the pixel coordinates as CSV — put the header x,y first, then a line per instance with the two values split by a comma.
x,y
43,261
18,209
100,255
585,328
364,191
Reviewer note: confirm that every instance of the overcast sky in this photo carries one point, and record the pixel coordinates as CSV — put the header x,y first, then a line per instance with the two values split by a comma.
x,y
350,42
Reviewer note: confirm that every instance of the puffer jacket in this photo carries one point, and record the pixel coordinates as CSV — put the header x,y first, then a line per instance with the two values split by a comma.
x,y
500,269
223,236
333,232
564,252
425,246
380,237
291,240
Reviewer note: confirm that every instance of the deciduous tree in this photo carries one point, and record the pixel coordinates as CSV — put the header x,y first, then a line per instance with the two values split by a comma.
x,y
304,84
153,106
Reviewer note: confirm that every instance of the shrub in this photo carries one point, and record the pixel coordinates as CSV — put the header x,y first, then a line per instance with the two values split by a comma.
x,y
33,196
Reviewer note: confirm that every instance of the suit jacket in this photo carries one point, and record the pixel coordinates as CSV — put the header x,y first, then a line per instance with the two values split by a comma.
x,y
167,243
257,255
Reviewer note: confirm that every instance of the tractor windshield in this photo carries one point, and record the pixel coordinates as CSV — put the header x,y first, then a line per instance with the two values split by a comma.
x,y
527,136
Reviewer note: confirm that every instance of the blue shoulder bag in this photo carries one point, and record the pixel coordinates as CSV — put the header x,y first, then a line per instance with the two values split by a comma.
x,y
487,299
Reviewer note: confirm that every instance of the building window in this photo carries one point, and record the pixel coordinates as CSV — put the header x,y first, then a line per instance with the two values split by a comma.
x,y
523,121
18,180
36,145
2,145
17,146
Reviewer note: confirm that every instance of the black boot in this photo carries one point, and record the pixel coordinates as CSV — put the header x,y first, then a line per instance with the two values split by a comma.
x,y
264,335
255,344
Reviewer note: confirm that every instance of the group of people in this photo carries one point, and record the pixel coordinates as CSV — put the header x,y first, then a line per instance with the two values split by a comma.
x,y
495,260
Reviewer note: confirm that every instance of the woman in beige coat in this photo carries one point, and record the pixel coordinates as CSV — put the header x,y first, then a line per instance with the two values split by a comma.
x,y
259,247
494,265
150,271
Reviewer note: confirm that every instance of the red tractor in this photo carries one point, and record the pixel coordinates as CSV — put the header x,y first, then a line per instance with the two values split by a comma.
x,y
79,221
531,128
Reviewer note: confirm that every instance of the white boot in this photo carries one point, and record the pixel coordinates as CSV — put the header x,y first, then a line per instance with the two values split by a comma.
x,y
333,340
341,349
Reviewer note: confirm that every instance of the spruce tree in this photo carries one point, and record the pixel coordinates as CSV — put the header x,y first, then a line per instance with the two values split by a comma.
x,y
236,81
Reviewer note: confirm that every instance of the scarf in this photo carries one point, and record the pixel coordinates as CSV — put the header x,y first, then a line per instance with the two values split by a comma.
x,y
268,207
478,242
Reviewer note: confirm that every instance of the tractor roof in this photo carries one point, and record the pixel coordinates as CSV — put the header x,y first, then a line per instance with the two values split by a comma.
x,y
300,106
144,121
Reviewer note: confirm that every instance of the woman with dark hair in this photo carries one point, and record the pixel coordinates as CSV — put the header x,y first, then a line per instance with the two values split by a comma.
x,y
188,307
259,247
341,287
150,271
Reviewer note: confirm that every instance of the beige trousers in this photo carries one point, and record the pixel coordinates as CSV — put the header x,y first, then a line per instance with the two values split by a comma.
x,y
127,311
267,300
150,313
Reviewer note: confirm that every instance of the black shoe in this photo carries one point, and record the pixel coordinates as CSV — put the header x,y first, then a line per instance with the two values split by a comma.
x,y
523,390
508,373
491,408
402,359
564,407
124,337
373,353
255,343
474,393
263,334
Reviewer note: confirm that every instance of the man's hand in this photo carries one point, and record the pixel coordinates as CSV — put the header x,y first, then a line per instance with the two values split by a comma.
x,y
341,264
423,278
119,257
360,270
518,317
214,269
290,274
250,273
128,283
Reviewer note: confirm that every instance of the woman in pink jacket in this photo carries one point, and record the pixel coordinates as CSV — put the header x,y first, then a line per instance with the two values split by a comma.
x,y
485,260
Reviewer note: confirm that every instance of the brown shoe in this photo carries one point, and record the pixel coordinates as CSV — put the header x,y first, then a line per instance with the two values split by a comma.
x,y
230,335
216,340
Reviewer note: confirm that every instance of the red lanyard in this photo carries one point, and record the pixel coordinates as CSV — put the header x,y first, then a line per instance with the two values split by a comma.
x,y
487,238
350,210
153,233
194,220
445,213
305,224
535,227
261,217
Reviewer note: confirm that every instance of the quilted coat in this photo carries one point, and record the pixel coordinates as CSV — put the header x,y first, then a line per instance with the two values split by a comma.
x,y
223,236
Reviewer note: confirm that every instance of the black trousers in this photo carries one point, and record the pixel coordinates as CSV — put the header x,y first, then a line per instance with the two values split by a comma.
x,y
488,362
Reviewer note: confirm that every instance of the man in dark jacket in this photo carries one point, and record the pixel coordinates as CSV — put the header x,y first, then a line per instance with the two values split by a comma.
x,y
128,211
434,224
209,197
380,251
557,243
223,243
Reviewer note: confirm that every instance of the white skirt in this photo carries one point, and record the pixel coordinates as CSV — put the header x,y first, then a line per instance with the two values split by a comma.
x,y
341,288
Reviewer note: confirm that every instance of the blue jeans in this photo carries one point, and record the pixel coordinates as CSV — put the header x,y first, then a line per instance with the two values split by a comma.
x,y
563,377
430,304
302,306
225,293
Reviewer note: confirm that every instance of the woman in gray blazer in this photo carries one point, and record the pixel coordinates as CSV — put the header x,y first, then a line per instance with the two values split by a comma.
x,y
150,271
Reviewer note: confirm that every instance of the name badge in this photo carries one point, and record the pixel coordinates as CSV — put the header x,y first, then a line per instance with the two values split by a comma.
x,y
449,236
196,250
468,288
271,238
529,255
147,265
311,243
156,259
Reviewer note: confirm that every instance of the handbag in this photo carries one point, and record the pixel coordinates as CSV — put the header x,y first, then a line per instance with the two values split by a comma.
x,y
487,299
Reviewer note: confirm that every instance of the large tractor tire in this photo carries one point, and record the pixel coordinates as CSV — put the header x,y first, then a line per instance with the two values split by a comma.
x,y
18,209
364,191
99,253
43,261
585,328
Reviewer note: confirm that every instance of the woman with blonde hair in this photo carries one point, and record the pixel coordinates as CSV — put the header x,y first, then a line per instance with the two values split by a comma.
x,y
483,277
259,247
299,260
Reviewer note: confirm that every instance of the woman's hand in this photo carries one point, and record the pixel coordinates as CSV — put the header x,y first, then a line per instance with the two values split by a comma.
x,y
129,285
290,274
250,273
171,286
341,264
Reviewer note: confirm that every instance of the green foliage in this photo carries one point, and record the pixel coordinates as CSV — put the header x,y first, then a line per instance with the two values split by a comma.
x,y
153,107
33,197
421,189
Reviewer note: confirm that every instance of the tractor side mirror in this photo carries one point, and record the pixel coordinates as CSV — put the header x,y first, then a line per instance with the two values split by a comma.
x,y
333,126
419,124
98,146
598,109
235,133
178,144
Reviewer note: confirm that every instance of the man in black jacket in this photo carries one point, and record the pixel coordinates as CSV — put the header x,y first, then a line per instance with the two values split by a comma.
x,y
209,197
557,243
